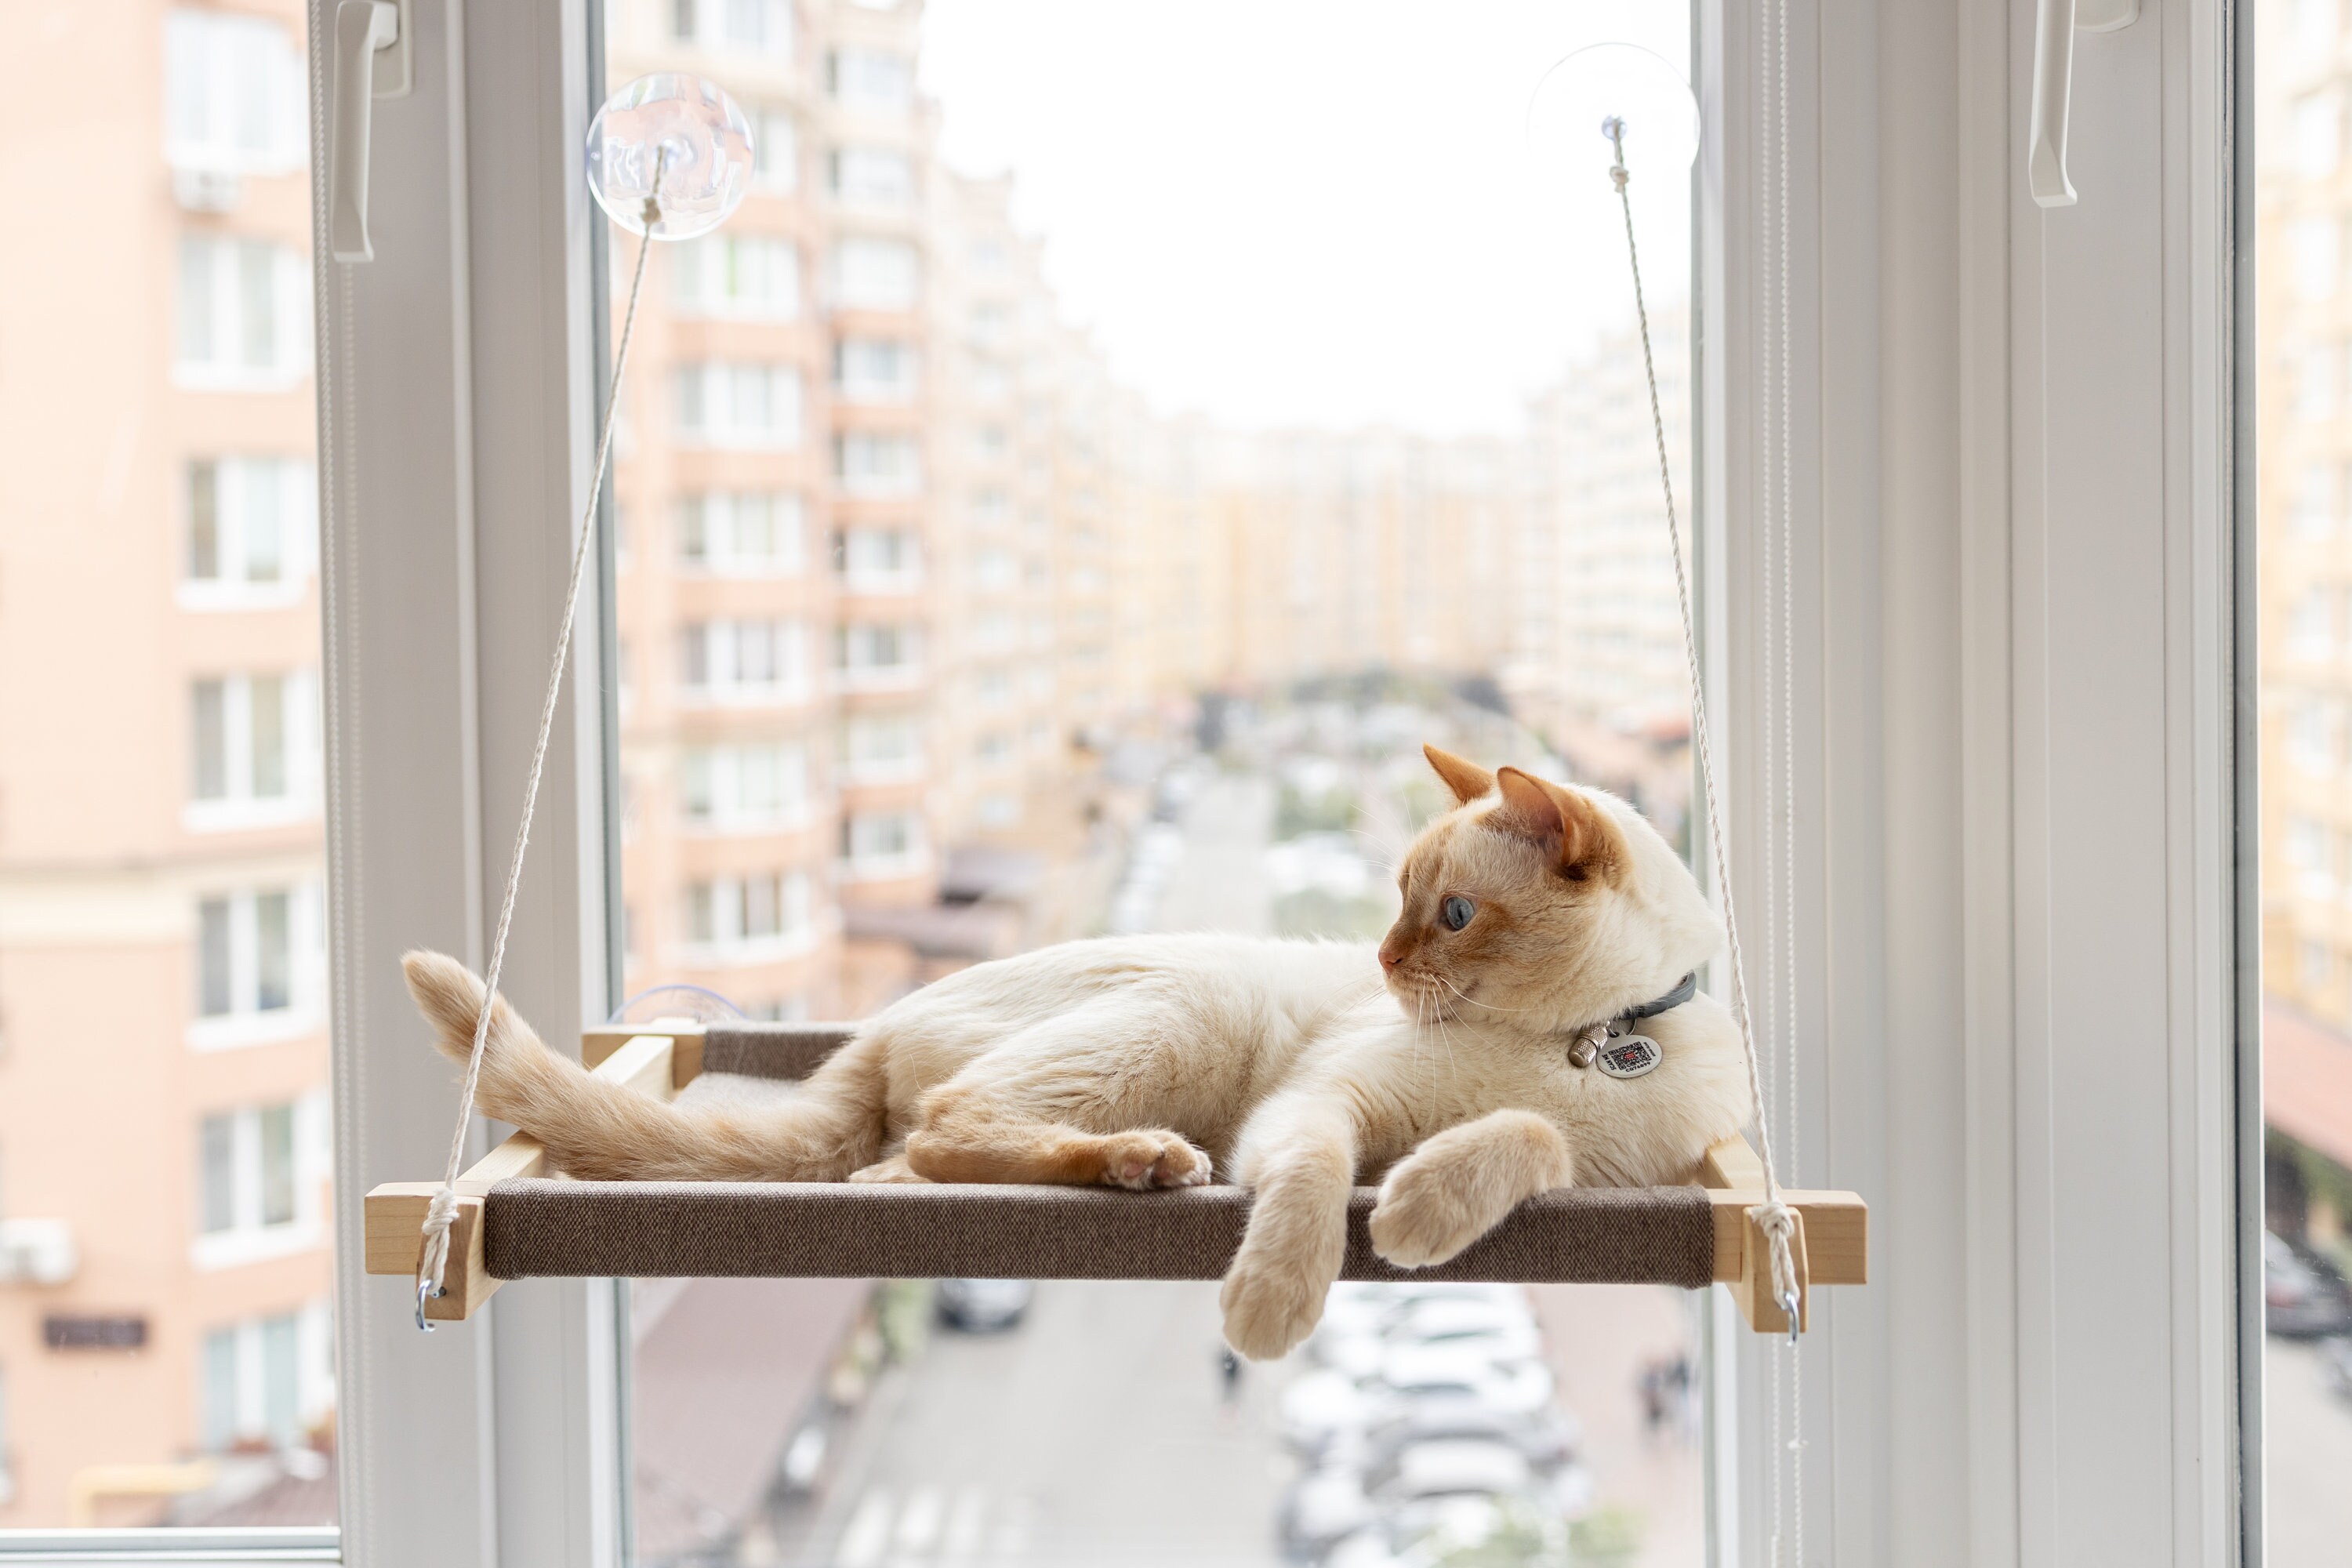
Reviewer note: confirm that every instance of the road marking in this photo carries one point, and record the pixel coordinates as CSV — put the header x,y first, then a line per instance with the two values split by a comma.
x,y
960,1544
918,1521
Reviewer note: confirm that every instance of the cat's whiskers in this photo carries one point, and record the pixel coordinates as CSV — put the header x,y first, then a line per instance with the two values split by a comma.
x,y
1475,1002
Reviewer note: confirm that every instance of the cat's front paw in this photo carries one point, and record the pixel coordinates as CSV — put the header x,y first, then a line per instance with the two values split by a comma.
x,y
1143,1161
1270,1306
1426,1213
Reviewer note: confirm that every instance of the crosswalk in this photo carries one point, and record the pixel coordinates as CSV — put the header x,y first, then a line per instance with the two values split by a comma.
x,y
936,1527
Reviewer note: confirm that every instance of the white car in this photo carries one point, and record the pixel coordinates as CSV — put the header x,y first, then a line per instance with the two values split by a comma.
x,y
1462,1371
1320,1406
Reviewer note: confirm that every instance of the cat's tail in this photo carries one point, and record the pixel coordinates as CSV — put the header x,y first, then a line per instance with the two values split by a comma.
x,y
602,1131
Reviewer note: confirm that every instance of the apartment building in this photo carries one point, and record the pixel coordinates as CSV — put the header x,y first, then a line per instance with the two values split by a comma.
x,y
2304,478
165,1210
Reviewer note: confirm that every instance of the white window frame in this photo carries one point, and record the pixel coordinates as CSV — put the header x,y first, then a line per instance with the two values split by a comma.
x,y
2009,876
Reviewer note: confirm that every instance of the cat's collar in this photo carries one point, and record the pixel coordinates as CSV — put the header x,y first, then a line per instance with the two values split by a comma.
x,y
1586,1042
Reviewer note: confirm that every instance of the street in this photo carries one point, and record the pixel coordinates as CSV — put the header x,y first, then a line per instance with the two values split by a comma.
x,y
2306,1455
1098,1428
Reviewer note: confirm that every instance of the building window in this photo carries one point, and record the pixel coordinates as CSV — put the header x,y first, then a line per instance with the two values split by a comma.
x,y
2316,507
260,965
245,315
880,560
994,571
2311,741
763,27
748,277
873,177
877,656
871,274
236,100
881,844
881,749
252,528
876,370
2318,247
873,81
745,788
8,1463
2311,625
745,919
998,809
2318,134
744,662
269,1380
2306,852
756,533
746,406
2315,25
259,1168
254,750
877,463
775,151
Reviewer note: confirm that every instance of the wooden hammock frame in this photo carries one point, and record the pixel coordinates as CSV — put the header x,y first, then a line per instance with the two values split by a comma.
x,y
927,1230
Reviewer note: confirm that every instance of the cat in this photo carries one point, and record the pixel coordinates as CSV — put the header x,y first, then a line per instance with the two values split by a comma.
x,y
1437,1063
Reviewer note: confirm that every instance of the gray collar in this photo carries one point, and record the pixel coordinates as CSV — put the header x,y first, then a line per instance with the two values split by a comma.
x,y
1687,988
1586,1043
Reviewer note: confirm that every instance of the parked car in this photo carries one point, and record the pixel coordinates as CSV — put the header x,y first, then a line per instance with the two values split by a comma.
x,y
1465,1371
2336,1356
1320,1406
2303,1294
1421,1486
1547,1438
985,1306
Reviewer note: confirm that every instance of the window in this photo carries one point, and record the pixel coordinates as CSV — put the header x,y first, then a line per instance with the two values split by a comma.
x,y
759,663
775,151
877,656
258,1169
750,919
753,277
746,788
876,275
2318,134
254,751
742,533
875,370
749,406
7,1453
880,845
260,962
872,81
269,1381
881,750
245,315
2316,24
236,102
761,27
880,561
252,525
2318,256
873,177
877,463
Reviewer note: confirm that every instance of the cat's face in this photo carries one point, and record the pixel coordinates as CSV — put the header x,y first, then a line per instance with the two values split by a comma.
x,y
1540,905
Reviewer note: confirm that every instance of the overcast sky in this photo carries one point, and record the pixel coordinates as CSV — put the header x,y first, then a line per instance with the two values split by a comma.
x,y
1317,212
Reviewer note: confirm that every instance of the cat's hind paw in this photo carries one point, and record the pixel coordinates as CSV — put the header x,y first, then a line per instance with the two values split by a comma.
x,y
1143,1161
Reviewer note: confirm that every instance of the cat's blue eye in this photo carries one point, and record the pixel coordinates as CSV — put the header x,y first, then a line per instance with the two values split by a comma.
x,y
1455,911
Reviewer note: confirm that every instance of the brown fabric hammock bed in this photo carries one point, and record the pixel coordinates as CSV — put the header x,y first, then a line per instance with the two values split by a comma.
x,y
517,1221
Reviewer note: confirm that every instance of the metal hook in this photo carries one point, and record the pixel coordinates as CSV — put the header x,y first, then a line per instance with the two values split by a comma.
x,y
427,1289
1787,1310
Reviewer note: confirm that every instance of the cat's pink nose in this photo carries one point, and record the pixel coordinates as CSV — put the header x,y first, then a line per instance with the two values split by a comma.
x,y
1390,960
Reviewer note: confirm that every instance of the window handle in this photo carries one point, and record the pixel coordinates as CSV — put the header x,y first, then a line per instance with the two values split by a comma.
x,y
2055,23
371,62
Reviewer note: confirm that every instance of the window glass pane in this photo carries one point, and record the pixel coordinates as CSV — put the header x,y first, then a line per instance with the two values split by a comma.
x,y
1085,545
2304,599
162,988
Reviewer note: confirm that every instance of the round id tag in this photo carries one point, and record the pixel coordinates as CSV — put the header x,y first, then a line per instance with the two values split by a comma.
x,y
1629,1056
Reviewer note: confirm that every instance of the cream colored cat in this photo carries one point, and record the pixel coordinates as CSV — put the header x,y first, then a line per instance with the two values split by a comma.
x,y
1438,1064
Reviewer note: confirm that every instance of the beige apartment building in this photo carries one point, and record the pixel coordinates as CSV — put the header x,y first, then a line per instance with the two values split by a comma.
x,y
165,1240
2303,204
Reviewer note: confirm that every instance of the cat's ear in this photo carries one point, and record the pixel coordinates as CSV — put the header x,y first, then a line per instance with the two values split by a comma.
x,y
1568,824
1467,779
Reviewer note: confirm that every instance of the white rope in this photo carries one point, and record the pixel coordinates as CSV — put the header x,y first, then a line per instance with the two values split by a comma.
x,y
1776,1218
433,1263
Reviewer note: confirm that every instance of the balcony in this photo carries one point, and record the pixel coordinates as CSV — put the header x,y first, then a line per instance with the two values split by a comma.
x,y
36,1252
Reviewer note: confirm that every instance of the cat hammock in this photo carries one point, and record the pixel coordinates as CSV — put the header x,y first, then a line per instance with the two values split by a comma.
x,y
668,158
514,1220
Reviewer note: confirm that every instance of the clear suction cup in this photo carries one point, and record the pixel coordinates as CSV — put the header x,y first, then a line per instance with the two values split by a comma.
x,y
697,1001
675,137
1571,106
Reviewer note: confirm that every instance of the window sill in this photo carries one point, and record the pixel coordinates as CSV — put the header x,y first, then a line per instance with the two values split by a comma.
x,y
264,1243
213,597
247,815
233,1031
